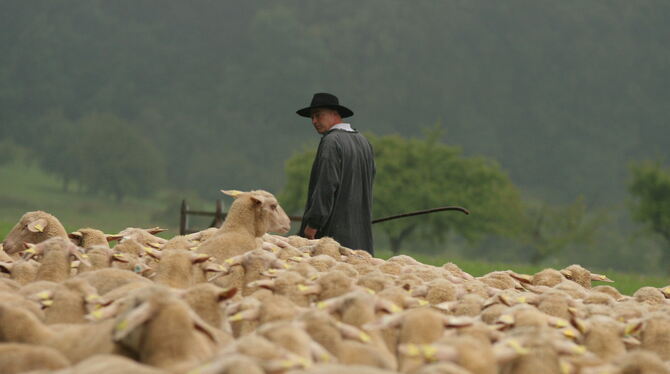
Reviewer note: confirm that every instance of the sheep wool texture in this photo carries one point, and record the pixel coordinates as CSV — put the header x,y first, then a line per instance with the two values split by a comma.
x,y
339,199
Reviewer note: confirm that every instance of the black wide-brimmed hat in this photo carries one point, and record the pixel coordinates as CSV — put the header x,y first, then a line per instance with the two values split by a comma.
x,y
325,100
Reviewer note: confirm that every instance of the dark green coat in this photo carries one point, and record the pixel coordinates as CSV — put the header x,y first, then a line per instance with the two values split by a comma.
x,y
339,199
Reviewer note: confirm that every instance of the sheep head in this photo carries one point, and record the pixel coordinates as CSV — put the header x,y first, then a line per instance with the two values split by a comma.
x,y
269,215
33,227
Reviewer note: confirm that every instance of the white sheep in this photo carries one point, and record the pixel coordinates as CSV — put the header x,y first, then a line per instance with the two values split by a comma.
x,y
57,254
89,237
20,358
33,227
75,341
251,216
163,331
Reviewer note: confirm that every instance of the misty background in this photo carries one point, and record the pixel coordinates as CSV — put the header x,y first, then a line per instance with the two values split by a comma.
x,y
125,99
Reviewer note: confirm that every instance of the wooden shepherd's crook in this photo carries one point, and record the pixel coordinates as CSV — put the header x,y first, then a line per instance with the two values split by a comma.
x,y
425,211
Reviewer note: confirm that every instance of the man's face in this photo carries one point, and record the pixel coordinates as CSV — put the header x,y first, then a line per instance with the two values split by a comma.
x,y
323,119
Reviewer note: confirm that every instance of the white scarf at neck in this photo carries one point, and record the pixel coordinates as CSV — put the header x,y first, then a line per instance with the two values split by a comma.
x,y
343,126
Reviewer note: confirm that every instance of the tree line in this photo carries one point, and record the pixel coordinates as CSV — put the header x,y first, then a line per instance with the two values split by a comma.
x,y
549,102
562,94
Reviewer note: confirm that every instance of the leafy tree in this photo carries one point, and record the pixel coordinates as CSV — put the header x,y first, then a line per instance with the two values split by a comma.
x,y
55,147
549,229
293,196
116,159
415,174
650,188
10,151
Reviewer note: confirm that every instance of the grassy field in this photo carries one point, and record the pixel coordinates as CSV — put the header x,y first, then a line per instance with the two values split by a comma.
x,y
31,189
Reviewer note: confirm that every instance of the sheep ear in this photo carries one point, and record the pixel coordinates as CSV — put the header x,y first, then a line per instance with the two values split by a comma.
x,y
353,332
580,324
197,258
601,278
30,251
233,260
111,238
132,320
312,289
79,256
105,312
263,283
232,193
6,267
319,353
508,350
633,327
257,200
281,366
215,268
445,306
331,304
203,326
429,351
155,230
120,257
505,320
152,252
227,294
458,321
524,278
390,321
250,314
387,306
38,225
631,341
76,235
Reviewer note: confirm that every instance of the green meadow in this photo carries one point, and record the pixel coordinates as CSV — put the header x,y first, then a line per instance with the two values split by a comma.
x,y
32,189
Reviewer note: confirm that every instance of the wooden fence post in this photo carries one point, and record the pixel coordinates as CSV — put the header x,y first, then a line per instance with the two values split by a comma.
x,y
183,218
218,216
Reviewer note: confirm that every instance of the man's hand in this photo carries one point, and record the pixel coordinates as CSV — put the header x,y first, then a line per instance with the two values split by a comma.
x,y
310,233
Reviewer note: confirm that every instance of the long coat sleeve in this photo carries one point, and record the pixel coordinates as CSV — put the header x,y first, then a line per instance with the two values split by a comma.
x,y
339,201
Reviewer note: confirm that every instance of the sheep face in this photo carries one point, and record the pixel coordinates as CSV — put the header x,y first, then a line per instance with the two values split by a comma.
x,y
272,212
33,227
269,215
88,237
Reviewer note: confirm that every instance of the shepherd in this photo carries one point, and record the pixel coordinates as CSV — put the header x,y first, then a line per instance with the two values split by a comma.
x,y
339,199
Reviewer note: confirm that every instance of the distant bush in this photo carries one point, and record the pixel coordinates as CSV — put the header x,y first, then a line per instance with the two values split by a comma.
x,y
102,153
414,174
650,188
9,151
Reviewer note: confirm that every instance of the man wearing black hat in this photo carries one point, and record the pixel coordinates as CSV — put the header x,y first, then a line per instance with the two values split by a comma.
x,y
339,200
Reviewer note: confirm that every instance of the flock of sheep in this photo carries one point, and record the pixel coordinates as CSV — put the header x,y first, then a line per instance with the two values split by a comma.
x,y
240,300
